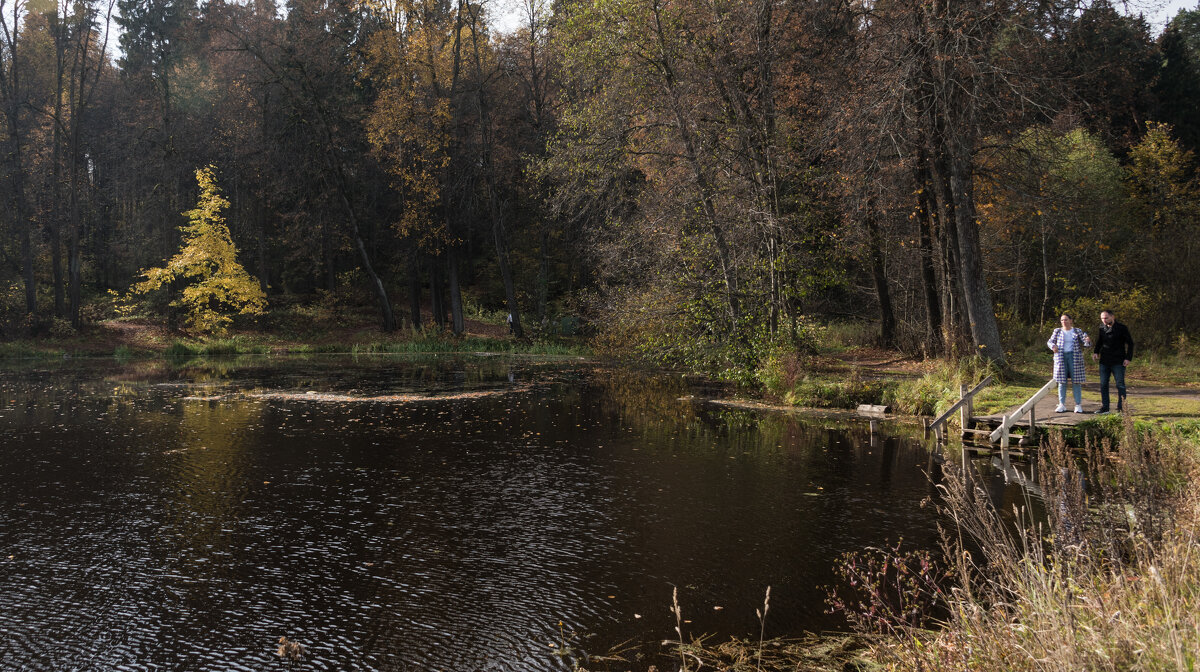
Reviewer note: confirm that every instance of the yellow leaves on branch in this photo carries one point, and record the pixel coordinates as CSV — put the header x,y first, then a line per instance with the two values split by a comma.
x,y
210,283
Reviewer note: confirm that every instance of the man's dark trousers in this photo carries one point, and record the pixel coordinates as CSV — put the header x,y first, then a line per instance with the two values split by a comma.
x,y
1117,371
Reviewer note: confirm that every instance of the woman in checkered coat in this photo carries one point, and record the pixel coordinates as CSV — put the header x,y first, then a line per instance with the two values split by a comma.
x,y
1067,344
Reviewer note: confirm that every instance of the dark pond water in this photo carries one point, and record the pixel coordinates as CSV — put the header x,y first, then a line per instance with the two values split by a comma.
x,y
157,517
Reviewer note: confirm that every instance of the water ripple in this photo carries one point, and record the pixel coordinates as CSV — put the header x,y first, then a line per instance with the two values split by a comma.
x,y
152,532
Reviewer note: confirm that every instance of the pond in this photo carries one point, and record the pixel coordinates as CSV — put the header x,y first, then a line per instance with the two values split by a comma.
x,y
392,513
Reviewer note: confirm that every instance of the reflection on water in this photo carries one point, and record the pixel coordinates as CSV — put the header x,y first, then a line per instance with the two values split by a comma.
x,y
173,517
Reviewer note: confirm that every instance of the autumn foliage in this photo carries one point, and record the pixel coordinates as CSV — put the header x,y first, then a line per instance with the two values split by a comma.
x,y
204,277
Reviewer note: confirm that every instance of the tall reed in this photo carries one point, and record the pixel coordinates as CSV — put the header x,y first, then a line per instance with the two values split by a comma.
x,y
1099,572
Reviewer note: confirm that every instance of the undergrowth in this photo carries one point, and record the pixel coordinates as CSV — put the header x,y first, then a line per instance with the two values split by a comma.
x,y
1098,573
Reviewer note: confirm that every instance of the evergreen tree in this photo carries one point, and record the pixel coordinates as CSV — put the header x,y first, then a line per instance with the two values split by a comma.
x,y
1178,87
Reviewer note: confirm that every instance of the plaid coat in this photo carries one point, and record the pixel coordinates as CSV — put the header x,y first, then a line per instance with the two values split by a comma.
x,y
1060,369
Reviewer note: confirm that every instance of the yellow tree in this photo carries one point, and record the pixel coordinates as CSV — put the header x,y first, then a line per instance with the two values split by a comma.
x,y
212,285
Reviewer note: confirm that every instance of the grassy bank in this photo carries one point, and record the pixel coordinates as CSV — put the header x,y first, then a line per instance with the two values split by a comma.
x,y
135,339
1108,579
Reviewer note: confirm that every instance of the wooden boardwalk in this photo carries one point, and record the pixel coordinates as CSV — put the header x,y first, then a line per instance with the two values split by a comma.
x,y
1044,410
1014,423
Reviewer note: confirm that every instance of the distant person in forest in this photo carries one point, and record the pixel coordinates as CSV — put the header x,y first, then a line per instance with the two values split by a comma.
x,y
1114,351
1067,344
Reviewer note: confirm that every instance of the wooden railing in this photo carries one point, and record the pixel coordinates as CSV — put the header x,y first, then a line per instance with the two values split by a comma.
x,y
1001,433
965,406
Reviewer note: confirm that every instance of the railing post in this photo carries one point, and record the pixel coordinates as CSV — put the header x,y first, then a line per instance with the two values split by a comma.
x,y
964,413
1032,435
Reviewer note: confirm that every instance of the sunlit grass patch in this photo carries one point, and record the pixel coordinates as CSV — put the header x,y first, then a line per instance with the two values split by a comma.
x,y
1178,365
998,398
834,337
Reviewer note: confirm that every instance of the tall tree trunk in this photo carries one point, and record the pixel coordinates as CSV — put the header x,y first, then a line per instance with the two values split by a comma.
x,y
1045,273
327,257
707,195
510,291
414,288
74,262
457,322
10,96
543,280
56,177
385,306
952,292
980,309
26,252
887,318
21,220
436,292
933,313
56,269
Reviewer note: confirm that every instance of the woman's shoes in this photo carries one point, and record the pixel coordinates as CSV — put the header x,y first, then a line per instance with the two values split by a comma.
x,y
1060,409
1078,408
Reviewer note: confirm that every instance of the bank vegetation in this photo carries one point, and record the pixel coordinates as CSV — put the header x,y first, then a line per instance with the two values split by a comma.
x,y
1097,573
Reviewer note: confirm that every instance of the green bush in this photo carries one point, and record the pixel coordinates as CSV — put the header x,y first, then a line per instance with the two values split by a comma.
x,y
839,394
940,388
180,350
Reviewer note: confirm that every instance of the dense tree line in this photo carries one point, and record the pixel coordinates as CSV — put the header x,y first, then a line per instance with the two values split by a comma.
x,y
697,178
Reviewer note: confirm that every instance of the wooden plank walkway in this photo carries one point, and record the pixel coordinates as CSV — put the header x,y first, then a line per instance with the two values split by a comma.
x,y
1045,414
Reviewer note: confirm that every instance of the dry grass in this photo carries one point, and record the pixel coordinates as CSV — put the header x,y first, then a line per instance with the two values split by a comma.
x,y
810,652
1107,579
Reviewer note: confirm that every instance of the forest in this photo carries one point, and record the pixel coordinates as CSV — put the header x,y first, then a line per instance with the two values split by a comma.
x,y
694,181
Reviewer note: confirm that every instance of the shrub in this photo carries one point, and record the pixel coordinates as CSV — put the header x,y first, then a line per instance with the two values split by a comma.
x,y
940,388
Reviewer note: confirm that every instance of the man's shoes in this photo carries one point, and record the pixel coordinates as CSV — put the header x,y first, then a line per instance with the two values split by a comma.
x,y
1060,409
1103,411
1078,408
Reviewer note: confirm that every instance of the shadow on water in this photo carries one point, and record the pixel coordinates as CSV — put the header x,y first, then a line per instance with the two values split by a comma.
x,y
187,515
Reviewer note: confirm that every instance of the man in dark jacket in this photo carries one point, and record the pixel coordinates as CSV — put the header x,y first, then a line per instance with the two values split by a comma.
x,y
1113,349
